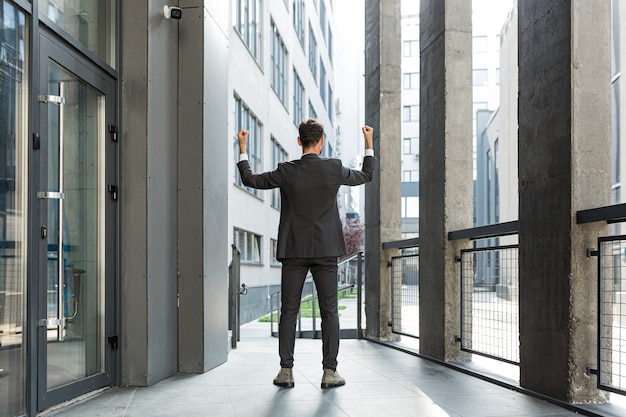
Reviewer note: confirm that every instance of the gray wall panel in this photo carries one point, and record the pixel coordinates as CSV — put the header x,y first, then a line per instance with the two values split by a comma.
x,y
161,205
133,190
203,189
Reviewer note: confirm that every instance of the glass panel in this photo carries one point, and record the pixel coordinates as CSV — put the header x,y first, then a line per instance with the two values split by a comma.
x,y
76,274
14,80
91,22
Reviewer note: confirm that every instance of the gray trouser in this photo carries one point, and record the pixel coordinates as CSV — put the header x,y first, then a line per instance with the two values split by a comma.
x,y
294,271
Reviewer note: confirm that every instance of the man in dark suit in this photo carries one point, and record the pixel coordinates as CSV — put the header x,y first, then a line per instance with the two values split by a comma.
x,y
310,237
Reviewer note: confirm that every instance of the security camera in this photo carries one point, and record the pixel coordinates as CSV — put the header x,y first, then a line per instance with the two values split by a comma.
x,y
173,12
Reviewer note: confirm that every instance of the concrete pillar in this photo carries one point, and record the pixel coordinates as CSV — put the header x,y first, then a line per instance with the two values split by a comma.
x,y
148,194
445,168
203,143
564,166
382,195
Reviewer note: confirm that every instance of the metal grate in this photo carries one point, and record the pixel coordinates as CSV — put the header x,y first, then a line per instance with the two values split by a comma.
x,y
405,295
612,314
489,302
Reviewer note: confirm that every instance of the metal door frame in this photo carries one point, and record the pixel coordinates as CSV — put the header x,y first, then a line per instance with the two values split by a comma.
x,y
51,49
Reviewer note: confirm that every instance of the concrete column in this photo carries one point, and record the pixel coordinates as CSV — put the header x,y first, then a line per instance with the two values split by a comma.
x,y
382,195
148,193
564,166
445,168
203,142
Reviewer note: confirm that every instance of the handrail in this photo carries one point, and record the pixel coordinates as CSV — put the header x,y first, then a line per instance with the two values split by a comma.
x,y
484,232
402,244
312,297
611,214
480,232
341,262
348,258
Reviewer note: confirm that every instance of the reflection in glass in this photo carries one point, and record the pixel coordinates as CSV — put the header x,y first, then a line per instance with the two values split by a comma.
x,y
91,22
14,79
75,237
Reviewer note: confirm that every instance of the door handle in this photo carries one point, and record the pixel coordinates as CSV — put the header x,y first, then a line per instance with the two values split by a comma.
x,y
51,322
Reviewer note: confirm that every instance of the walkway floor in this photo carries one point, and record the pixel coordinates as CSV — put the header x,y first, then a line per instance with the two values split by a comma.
x,y
380,382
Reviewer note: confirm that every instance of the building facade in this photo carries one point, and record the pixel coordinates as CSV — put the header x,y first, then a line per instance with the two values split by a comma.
x,y
281,71
487,22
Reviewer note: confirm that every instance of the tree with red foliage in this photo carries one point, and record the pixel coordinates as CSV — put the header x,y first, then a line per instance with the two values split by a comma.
x,y
354,232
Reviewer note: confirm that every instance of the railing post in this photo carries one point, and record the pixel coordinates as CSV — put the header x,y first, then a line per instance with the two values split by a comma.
x,y
359,301
234,273
313,310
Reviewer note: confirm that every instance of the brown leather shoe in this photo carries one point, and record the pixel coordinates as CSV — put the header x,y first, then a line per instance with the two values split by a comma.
x,y
285,378
332,379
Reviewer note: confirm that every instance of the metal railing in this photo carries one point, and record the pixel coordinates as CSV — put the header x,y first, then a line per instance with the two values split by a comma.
x,y
489,302
350,291
405,294
236,289
489,291
611,367
612,314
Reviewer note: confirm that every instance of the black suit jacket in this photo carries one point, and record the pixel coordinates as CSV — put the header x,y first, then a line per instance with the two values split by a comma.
x,y
309,218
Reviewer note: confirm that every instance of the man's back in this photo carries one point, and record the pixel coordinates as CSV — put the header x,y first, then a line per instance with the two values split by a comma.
x,y
309,218
309,222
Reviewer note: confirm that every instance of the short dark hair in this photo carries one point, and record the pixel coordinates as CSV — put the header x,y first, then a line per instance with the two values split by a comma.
x,y
311,131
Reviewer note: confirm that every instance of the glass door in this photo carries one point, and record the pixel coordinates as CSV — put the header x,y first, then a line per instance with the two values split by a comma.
x,y
74,280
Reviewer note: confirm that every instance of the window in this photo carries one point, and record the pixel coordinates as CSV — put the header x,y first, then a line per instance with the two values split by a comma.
x,y
479,77
496,164
298,99
312,112
330,45
330,103
248,121
410,175
323,82
409,207
406,146
410,113
312,53
298,19
279,60
15,208
479,44
248,25
488,175
92,23
410,48
411,146
274,249
249,245
323,18
278,155
411,80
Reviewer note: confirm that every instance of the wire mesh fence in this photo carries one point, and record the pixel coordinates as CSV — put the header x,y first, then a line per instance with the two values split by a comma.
x,y
405,295
489,302
612,314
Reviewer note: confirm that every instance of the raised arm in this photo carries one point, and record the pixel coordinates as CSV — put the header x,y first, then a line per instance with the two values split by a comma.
x,y
358,177
368,132
266,180
242,136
